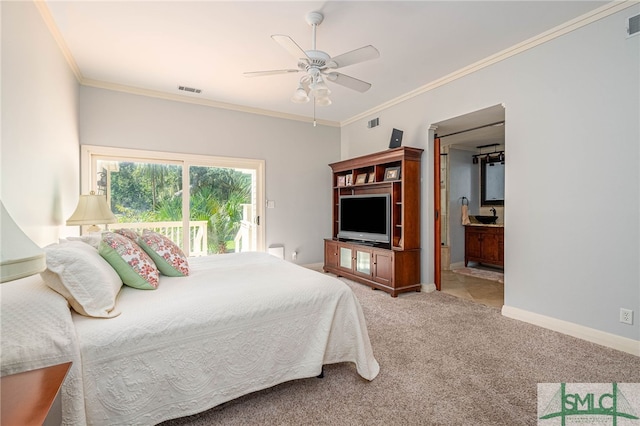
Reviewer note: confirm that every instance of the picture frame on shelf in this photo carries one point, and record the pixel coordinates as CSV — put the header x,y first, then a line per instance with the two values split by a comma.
x,y
349,179
392,173
362,178
342,181
372,178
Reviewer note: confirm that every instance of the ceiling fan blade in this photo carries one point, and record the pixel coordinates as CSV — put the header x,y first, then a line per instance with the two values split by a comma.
x,y
355,56
290,46
347,81
272,72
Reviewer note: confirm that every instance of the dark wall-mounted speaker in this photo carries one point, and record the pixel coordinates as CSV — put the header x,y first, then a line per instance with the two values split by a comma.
x,y
396,138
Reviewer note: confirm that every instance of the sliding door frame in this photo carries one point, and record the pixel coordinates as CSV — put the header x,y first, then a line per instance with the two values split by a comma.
x,y
437,226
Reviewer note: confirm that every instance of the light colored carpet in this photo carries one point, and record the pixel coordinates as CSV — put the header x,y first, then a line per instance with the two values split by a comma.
x,y
481,273
443,360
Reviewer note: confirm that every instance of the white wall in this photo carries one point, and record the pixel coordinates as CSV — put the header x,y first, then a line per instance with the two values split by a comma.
x,y
39,156
297,154
572,174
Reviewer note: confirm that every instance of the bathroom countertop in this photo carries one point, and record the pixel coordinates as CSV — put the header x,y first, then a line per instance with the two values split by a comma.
x,y
492,225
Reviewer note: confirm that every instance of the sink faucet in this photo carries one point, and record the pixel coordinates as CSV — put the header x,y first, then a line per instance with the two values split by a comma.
x,y
493,210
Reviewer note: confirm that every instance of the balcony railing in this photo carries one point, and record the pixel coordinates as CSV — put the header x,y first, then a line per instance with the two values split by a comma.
x,y
173,231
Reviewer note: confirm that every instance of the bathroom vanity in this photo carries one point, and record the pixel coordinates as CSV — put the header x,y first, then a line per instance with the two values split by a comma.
x,y
484,244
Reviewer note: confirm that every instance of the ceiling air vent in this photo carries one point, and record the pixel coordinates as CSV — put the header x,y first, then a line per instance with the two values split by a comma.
x,y
633,27
189,89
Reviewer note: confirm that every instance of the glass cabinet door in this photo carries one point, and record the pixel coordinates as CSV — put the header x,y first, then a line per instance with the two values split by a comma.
x,y
363,262
345,257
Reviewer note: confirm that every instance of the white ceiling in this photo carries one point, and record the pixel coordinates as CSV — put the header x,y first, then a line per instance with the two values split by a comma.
x,y
159,45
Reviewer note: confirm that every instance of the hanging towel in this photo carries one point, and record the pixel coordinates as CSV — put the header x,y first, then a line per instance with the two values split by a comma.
x,y
465,215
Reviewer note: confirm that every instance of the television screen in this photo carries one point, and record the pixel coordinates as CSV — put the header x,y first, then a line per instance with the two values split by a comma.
x,y
364,217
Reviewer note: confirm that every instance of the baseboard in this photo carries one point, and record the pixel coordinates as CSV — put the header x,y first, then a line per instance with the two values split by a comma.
x,y
609,340
428,288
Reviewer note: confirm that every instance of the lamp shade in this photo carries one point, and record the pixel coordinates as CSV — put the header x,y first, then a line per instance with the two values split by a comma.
x,y
19,256
92,209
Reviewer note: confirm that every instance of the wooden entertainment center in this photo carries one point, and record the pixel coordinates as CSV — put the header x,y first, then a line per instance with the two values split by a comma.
x,y
393,267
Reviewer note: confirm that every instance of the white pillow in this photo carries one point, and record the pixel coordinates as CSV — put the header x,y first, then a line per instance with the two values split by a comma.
x,y
92,239
78,272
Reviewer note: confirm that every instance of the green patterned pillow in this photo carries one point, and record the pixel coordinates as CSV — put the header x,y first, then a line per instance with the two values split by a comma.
x,y
168,257
133,265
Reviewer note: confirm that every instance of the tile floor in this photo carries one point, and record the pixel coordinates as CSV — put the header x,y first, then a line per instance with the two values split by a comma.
x,y
487,292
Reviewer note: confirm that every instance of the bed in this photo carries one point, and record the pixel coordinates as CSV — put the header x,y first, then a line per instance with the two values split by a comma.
x,y
237,324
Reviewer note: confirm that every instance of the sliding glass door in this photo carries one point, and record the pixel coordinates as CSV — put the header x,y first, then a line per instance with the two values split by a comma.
x,y
205,204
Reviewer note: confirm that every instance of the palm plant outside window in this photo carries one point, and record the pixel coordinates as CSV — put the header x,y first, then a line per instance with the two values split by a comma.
x,y
149,195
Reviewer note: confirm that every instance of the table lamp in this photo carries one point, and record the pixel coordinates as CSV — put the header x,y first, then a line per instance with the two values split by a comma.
x,y
92,210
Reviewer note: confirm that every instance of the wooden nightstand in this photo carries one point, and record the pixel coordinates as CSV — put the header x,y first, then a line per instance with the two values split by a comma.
x,y
27,397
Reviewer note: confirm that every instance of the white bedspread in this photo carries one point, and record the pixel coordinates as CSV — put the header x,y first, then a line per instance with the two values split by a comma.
x,y
37,332
239,323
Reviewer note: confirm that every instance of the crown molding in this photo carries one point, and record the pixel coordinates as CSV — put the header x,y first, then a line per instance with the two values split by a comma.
x,y
567,27
57,36
204,102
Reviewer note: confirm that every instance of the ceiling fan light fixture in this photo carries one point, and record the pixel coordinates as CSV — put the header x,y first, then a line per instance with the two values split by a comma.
x,y
300,96
323,101
319,88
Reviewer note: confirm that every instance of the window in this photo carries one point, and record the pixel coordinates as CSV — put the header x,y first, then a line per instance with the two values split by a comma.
x,y
204,204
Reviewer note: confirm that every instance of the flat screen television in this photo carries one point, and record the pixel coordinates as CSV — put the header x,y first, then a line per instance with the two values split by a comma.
x,y
365,217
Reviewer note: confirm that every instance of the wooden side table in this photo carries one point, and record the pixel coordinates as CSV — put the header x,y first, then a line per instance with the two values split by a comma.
x,y
27,397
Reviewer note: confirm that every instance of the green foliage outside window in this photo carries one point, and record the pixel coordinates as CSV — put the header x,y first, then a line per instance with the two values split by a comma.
x,y
143,192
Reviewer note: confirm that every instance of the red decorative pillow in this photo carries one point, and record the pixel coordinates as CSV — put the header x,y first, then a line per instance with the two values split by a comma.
x,y
169,258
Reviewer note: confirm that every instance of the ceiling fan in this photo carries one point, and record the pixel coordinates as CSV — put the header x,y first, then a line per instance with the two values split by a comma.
x,y
318,66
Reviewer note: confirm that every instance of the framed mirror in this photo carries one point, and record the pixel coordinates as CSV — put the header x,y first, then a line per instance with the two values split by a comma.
x,y
491,183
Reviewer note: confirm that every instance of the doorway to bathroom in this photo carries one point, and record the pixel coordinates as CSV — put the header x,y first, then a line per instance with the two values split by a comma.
x,y
469,189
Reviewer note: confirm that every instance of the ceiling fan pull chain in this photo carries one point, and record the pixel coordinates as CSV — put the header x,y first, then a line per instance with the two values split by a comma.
x,y
314,111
